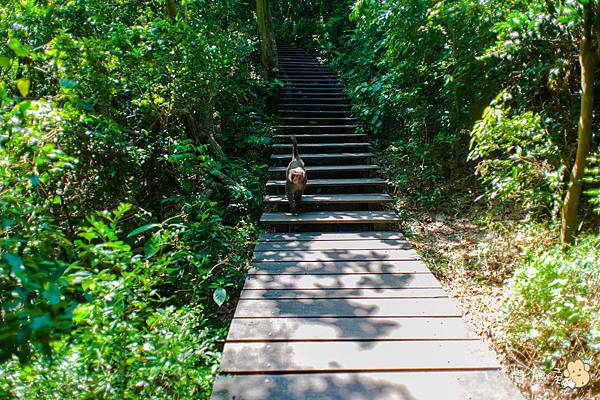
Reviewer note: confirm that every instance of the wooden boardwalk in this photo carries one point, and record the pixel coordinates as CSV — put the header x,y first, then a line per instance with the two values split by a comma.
x,y
348,314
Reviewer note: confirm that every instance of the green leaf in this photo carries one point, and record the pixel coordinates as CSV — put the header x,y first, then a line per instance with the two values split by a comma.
x,y
7,223
82,313
23,85
52,293
78,277
219,296
68,83
4,62
19,49
34,179
153,245
142,229
16,263
41,322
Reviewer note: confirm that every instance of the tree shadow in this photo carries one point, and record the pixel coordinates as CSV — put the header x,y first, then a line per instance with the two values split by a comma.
x,y
488,385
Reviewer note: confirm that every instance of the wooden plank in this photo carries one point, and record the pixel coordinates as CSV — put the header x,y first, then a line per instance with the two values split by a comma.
x,y
278,237
314,85
293,87
336,255
368,244
368,293
314,119
331,168
302,146
291,82
331,217
304,308
309,64
318,112
303,66
342,281
313,136
345,104
294,90
331,329
300,76
310,156
354,198
290,73
338,267
334,182
285,94
432,385
357,356
313,127
297,72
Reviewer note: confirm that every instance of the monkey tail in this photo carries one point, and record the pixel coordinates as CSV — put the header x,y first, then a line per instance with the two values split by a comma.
x,y
295,143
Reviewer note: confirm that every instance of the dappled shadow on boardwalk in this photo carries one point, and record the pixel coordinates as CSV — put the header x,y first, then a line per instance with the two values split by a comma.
x,y
352,316
311,325
367,386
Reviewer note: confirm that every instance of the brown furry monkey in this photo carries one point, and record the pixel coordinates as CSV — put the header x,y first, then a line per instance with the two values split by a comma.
x,y
295,178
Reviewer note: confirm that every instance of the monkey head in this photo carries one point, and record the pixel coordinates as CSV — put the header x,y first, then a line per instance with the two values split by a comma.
x,y
297,176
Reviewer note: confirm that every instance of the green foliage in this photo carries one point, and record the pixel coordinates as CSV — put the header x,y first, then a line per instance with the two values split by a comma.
x,y
410,163
551,307
106,106
422,73
315,24
137,335
518,159
592,181
33,249
414,70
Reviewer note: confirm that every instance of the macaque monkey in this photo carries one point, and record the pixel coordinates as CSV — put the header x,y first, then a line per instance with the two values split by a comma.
x,y
295,178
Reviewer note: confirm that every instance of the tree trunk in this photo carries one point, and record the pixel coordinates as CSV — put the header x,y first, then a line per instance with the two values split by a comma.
x,y
172,9
588,61
268,44
201,136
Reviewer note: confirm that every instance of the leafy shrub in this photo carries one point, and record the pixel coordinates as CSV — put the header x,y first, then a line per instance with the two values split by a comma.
x,y
518,159
103,107
592,180
411,165
145,324
551,305
33,248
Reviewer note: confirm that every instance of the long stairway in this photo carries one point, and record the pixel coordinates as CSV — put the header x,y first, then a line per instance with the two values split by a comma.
x,y
334,306
343,192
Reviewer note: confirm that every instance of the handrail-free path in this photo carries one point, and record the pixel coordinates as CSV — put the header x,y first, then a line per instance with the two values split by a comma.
x,y
336,305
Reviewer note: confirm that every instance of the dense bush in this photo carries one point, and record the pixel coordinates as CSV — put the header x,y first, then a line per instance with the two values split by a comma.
x,y
551,308
149,324
519,160
152,114
593,181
